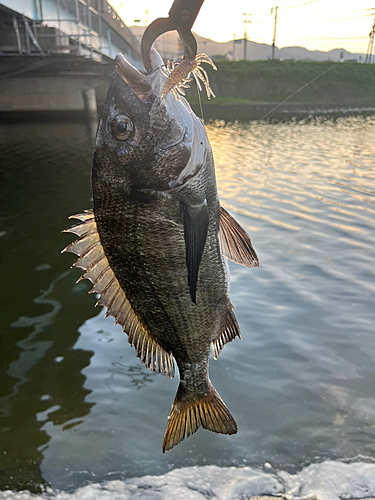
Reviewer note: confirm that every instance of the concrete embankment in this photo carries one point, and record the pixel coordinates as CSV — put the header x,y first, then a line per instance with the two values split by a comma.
x,y
53,84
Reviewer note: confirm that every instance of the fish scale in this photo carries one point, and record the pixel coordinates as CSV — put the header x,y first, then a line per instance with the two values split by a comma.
x,y
144,232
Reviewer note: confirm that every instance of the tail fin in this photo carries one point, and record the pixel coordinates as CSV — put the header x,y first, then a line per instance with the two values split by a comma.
x,y
209,412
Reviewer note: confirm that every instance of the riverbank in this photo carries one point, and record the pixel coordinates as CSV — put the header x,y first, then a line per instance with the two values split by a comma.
x,y
273,81
249,90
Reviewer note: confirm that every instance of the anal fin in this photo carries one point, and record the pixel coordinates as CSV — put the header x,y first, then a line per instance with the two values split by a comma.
x,y
235,242
230,332
186,417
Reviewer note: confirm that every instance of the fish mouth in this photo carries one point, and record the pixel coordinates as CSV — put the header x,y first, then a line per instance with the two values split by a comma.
x,y
140,84
149,88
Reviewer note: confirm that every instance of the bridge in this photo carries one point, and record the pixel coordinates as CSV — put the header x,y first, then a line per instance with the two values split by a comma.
x,y
57,55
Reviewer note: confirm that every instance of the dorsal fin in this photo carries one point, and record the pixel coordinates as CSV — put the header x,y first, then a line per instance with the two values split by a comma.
x,y
230,331
235,242
97,269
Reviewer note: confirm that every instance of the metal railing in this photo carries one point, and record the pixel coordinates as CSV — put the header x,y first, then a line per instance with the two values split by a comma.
x,y
29,34
36,38
87,28
80,29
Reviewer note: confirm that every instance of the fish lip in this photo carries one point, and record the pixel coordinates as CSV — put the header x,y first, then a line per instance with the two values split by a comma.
x,y
138,82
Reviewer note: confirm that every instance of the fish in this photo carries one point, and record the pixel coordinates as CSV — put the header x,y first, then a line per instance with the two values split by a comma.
x,y
156,242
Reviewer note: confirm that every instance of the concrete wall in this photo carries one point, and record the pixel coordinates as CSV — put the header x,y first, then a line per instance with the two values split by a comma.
x,y
47,94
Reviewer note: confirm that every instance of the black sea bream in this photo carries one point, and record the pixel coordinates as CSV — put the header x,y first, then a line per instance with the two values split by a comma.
x,y
156,242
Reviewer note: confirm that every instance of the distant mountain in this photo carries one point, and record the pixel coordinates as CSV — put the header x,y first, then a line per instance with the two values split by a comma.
x,y
258,51
168,45
299,53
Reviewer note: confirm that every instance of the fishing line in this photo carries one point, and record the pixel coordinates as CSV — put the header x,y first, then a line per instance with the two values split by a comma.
x,y
299,5
299,90
200,103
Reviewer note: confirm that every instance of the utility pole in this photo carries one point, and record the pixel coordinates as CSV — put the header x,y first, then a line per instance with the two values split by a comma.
x,y
370,46
246,21
274,31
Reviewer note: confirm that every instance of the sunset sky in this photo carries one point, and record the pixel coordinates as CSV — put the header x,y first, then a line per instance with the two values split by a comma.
x,y
314,24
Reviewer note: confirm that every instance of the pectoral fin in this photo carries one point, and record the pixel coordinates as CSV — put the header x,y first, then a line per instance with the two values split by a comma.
x,y
195,219
235,242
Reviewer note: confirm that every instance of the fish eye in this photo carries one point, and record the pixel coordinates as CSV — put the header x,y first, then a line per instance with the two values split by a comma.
x,y
122,127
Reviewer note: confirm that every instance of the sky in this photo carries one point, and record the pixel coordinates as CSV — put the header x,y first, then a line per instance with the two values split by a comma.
x,y
314,24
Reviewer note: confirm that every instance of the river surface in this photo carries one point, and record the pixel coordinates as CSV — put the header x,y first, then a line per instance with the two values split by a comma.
x,y
79,410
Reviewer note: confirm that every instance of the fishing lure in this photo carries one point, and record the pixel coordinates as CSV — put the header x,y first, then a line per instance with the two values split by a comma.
x,y
180,74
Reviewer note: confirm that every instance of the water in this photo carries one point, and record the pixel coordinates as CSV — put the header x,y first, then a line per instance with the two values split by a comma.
x,y
78,411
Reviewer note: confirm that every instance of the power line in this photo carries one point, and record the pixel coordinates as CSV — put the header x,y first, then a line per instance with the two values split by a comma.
x,y
300,5
327,13
310,22
345,19
335,37
327,20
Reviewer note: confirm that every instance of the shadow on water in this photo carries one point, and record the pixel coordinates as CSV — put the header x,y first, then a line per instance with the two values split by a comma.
x,y
138,378
41,372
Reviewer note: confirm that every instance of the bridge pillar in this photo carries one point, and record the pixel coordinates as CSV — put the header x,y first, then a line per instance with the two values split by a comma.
x,y
89,101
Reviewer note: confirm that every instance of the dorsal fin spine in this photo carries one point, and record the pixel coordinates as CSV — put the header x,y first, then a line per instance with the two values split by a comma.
x,y
91,259
119,310
90,268
117,292
80,258
98,279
